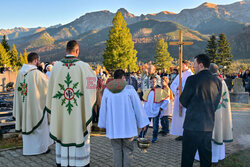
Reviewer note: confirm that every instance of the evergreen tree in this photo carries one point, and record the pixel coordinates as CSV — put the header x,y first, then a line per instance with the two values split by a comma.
x,y
120,52
14,56
5,44
212,49
224,52
20,60
25,57
163,58
4,57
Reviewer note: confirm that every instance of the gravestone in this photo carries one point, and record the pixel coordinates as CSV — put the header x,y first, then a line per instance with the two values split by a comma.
x,y
238,85
3,84
238,95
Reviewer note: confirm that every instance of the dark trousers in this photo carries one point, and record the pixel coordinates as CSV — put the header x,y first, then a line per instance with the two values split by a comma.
x,y
95,113
193,141
165,124
155,127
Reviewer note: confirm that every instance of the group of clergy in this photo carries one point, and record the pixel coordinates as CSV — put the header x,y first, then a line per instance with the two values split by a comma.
x,y
70,93
68,96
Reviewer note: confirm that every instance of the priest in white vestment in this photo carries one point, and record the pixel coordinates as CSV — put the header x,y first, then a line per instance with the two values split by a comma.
x,y
28,110
177,120
71,96
121,113
223,128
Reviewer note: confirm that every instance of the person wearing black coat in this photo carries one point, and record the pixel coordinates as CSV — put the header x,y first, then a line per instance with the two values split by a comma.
x,y
201,96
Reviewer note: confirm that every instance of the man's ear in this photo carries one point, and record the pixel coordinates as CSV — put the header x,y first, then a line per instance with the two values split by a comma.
x,y
201,66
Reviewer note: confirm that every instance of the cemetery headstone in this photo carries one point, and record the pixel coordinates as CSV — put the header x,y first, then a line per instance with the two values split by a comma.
x,y
238,94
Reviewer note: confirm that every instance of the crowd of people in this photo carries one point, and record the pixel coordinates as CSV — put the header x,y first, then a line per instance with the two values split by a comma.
x,y
74,95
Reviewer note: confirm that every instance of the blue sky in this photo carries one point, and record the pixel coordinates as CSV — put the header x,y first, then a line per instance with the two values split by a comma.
x,y
34,13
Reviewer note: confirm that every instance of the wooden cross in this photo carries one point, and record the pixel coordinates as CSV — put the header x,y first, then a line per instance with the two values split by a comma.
x,y
180,43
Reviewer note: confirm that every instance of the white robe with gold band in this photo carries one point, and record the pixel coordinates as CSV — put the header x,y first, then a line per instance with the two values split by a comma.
x,y
29,102
177,121
71,96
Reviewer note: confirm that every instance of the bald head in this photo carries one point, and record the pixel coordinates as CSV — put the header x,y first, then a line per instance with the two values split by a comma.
x,y
213,68
151,69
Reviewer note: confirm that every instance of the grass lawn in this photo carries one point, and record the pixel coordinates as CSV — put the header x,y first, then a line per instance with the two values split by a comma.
x,y
238,159
11,143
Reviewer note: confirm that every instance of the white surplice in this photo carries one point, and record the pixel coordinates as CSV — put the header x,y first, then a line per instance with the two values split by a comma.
x,y
177,121
152,109
122,113
218,153
38,141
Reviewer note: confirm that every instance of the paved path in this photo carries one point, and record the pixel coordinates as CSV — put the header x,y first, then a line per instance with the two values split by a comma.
x,y
165,153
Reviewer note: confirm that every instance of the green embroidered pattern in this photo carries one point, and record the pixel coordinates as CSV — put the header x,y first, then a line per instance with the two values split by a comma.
x,y
223,100
69,93
69,62
23,89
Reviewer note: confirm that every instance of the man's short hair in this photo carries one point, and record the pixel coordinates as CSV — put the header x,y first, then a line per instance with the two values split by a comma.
x,y
71,45
213,68
204,59
119,74
32,56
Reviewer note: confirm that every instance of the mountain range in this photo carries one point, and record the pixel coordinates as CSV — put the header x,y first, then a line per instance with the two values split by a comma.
x,y
91,30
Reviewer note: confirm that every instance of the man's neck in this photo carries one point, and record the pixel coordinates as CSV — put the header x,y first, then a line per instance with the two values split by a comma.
x,y
70,55
203,69
32,64
185,70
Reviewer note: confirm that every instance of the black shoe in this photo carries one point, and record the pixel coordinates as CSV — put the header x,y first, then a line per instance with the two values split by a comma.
x,y
58,165
165,134
161,132
178,138
48,151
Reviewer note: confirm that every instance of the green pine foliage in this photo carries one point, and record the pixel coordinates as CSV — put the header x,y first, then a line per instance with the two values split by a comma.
x,y
5,44
21,60
120,52
163,58
4,57
220,52
14,56
212,49
224,52
25,57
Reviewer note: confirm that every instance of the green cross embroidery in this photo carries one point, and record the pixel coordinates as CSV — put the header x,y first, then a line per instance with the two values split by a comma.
x,y
69,62
223,100
69,93
23,89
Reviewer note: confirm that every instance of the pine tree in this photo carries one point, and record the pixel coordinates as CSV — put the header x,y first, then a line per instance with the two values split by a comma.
x,y
14,56
163,58
25,57
224,52
4,57
120,52
5,44
212,49
20,60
